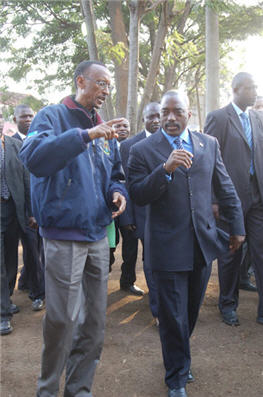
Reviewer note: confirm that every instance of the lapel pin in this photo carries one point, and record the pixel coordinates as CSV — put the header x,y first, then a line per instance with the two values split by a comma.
x,y
201,144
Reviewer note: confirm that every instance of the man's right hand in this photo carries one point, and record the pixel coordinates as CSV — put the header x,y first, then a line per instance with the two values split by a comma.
x,y
105,130
215,209
178,157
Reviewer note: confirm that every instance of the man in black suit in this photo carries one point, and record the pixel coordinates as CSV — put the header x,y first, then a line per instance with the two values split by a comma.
x,y
134,216
240,136
173,172
32,273
15,216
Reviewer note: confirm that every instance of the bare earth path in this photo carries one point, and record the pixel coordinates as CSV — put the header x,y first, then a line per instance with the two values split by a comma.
x,y
226,361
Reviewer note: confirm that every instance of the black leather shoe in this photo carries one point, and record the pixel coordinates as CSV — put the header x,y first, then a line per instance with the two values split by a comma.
x,y
248,286
190,377
5,327
14,308
230,318
177,392
133,289
37,305
260,320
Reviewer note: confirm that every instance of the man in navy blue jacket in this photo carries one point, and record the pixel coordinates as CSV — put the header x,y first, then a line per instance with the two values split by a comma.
x,y
173,171
76,191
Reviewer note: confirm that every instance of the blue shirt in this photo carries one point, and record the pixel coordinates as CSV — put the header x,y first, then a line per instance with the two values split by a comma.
x,y
185,137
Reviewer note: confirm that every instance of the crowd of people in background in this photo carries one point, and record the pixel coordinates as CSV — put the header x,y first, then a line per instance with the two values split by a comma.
x,y
70,179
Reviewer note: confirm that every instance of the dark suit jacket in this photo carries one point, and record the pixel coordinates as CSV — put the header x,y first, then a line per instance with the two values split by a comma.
x,y
17,178
133,215
225,125
180,210
17,136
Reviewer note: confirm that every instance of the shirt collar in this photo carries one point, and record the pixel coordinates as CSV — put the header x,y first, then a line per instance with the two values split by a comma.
x,y
147,133
22,136
238,110
185,137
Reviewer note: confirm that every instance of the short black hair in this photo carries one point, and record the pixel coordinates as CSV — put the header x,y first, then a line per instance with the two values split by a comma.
x,y
20,107
82,67
178,94
239,78
150,104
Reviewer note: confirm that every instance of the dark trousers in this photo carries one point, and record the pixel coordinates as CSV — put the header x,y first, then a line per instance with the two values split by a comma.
x,y
10,234
246,266
33,257
153,296
128,267
229,265
9,254
129,256
180,297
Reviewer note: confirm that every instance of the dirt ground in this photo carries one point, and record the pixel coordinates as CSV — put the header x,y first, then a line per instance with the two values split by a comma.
x,y
226,361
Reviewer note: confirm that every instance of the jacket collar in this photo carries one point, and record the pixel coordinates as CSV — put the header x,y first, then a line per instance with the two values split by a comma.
x,y
70,103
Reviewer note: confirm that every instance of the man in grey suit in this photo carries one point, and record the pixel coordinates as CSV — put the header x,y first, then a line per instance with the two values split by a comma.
x,y
15,216
240,135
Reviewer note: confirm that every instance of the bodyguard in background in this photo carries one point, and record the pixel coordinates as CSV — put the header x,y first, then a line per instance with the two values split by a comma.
x,y
16,217
134,216
240,135
33,254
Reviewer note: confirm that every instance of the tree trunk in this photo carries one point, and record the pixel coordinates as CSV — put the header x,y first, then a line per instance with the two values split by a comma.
x,y
118,34
170,76
135,16
90,25
198,102
212,60
155,61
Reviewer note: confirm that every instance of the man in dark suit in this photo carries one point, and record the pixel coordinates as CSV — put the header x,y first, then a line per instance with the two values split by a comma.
x,y
173,171
134,216
32,273
240,136
15,216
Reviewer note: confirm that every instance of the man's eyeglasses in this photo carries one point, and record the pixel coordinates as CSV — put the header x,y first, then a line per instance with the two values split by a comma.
x,y
100,83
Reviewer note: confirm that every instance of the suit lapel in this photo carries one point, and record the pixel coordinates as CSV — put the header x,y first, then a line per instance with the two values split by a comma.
x,y
198,147
162,145
235,121
8,158
256,127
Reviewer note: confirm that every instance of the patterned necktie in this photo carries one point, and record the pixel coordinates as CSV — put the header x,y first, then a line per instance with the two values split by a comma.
x,y
247,130
178,143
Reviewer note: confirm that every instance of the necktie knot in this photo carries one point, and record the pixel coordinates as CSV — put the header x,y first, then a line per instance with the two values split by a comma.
x,y
178,142
244,116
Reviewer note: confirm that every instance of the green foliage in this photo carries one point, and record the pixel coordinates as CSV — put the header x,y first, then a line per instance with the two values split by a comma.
x,y
45,36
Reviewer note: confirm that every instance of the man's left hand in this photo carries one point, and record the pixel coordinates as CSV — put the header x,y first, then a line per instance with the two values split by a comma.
x,y
235,242
120,201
